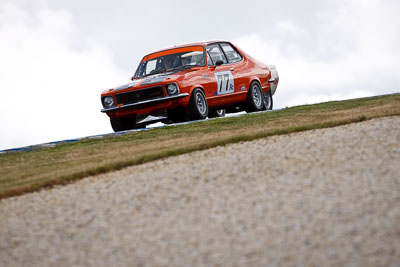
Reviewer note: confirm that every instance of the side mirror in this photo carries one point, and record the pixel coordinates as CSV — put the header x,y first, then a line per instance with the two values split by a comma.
x,y
219,63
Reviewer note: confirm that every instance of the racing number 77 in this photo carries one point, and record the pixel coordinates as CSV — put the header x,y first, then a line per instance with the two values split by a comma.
x,y
223,79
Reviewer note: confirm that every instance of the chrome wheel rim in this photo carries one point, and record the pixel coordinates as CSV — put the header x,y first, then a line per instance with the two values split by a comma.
x,y
267,100
257,95
201,103
220,112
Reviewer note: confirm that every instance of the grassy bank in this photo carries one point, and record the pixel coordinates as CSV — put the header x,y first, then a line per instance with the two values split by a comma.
x,y
23,172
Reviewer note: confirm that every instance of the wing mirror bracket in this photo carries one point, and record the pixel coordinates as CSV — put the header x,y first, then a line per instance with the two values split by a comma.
x,y
219,63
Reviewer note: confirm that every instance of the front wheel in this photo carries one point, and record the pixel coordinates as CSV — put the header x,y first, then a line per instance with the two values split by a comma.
x,y
268,100
254,101
177,115
198,107
124,124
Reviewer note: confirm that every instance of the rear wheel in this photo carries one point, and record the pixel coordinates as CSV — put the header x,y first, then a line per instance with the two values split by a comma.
x,y
216,113
254,101
124,124
268,103
198,107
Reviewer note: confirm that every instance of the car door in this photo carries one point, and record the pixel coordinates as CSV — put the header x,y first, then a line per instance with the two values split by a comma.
x,y
237,66
225,78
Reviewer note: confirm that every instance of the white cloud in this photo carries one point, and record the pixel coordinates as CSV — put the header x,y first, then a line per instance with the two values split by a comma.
x,y
50,91
289,26
353,54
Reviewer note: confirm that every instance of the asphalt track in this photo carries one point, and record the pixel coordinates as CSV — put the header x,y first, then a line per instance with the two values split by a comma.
x,y
150,126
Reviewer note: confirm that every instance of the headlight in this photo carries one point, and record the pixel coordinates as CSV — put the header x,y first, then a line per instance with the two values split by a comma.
x,y
172,89
108,102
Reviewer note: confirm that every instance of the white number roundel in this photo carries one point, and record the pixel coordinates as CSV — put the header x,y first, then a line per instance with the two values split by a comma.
x,y
225,82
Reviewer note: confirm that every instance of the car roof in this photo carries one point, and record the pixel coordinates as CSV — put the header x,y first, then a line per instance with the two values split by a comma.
x,y
202,43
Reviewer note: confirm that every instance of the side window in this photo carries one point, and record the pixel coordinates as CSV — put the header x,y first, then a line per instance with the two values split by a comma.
x,y
232,55
216,53
209,60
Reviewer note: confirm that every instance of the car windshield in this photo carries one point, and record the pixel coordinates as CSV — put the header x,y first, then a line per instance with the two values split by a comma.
x,y
174,59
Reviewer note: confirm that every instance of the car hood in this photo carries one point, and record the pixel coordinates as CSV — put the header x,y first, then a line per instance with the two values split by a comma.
x,y
153,79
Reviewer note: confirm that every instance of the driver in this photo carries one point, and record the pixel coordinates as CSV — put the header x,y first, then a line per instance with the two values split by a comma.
x,y
168,62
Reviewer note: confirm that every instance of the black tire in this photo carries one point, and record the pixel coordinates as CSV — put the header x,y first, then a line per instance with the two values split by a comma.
x,y
177,115
254,101
198,107
216,113
268,103
124,124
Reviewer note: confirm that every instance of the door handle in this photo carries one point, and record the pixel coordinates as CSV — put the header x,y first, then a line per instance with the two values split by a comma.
x,y
232,69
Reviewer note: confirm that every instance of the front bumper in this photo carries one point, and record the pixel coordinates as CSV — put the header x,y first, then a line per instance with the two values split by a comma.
x,y
144,102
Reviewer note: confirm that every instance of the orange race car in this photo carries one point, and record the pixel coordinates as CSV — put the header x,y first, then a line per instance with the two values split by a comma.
x,y
191,82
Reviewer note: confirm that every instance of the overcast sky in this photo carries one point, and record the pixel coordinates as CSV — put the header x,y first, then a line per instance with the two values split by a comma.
x,y
57,56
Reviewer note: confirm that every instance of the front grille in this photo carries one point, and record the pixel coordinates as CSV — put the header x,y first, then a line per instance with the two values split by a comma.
x,y
140,95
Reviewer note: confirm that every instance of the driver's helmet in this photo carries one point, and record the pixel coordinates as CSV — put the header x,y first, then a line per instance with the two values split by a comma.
x,y
168,60
171,61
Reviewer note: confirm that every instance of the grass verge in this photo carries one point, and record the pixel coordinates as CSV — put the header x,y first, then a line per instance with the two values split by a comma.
x,y
23,172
